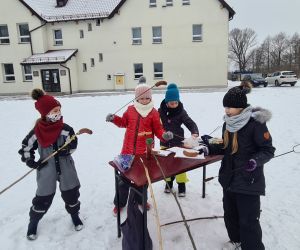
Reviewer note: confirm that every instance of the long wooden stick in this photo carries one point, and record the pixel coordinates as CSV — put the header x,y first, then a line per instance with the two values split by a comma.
x,y
155,205
81,131
199,218
178,204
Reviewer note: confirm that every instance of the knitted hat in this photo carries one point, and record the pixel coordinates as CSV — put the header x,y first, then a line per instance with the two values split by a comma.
x,y
172,93
143,91
44,103
142,79
236,96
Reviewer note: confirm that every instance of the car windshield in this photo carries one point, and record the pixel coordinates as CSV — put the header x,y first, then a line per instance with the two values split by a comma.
x,y
289,73
256,77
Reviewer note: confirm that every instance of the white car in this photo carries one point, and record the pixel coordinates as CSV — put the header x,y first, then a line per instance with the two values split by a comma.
x,y
282,77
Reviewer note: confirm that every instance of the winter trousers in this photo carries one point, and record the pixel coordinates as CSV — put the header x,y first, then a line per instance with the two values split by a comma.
x,y
124,192
180,178
41,204
241,216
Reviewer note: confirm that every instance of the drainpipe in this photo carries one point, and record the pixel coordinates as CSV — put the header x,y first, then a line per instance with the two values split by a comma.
x,y
69,73
30,35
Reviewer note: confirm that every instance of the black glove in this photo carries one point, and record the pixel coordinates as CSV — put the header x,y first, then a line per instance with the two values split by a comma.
x,y
36,164
64,151
109,118
205,139
204,150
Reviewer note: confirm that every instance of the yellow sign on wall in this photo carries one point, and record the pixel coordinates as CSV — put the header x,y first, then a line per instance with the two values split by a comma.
x,y
119,79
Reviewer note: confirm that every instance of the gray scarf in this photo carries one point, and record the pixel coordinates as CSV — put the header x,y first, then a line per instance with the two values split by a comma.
x,y
235,123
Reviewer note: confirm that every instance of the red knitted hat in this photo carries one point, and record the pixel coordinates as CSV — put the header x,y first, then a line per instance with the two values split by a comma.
x,y
44,103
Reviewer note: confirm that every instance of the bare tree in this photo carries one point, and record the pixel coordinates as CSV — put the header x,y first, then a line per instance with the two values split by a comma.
x,y
240,44
279,44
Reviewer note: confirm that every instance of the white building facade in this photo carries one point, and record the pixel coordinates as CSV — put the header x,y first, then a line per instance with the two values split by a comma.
x,y
101,45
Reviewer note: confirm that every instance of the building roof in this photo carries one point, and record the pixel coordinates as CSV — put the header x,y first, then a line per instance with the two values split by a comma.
x,y
48,11
50,57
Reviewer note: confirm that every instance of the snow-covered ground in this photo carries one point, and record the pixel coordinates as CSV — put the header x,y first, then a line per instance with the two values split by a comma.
x,y
280,207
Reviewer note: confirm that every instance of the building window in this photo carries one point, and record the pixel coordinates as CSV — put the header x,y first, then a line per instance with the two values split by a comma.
x,y
84,68
98,21
137,35
100,57
89,27
185,2
169,2
138,70
197,32
24,36
152,3
108,77
92,62
81,33
58,40
8,72
27,73
4,36
156,34
158,70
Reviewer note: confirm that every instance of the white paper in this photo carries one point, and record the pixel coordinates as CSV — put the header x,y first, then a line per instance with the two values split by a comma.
x,y
161,152
179,153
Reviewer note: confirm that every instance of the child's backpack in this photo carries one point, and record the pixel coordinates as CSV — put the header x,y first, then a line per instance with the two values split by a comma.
x,y
132,227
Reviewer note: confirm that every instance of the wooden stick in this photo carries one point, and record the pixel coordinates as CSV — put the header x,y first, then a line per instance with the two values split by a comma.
x,y
199,218
155,205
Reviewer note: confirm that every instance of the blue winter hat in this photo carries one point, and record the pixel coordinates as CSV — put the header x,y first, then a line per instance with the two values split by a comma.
x,y
172,93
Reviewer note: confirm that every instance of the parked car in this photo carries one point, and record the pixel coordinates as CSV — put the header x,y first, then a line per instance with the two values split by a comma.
x,y
282,77
256,80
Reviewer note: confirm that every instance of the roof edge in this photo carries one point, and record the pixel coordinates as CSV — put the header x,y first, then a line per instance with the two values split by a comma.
x,y
32,10
227,6
116,9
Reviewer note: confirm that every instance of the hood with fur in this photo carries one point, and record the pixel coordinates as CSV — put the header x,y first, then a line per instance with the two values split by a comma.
x,y
261,115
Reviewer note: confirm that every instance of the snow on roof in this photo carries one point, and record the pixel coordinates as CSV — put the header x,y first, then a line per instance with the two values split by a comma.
x,y
73,10
52,56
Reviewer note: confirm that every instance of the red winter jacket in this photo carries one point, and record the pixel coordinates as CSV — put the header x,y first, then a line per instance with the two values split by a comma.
x,y
138,129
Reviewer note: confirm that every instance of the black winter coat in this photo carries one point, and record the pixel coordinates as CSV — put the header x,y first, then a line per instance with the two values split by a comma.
x,y
172,119
254,142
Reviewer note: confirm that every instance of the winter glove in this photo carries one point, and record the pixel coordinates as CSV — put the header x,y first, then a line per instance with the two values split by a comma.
x,y
204,150
109,118
251,165
205,139
167,135
36,164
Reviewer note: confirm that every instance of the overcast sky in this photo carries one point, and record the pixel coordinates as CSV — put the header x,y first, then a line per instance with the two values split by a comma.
x,y
266,17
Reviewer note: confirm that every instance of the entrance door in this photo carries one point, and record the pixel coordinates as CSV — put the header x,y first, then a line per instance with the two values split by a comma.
x,y
50,80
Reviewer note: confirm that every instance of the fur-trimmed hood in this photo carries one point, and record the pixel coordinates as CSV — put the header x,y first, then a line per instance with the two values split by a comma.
x,y
261,115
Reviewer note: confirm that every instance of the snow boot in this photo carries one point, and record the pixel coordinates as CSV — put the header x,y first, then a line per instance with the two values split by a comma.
x,y
77,221
230,245
167,190
181,189
32,228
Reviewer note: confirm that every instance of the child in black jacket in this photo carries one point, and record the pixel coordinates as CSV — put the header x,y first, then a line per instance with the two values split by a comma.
x,y
48,134
247,146
173,115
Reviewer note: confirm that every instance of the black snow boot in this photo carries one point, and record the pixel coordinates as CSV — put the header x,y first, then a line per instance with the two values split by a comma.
x,y
32,228
167,189
181,189
77,221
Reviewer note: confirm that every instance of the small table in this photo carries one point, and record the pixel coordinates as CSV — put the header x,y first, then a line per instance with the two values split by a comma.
x,y
136,177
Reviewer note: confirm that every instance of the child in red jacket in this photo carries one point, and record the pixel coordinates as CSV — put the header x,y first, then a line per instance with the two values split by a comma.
x,y
142,121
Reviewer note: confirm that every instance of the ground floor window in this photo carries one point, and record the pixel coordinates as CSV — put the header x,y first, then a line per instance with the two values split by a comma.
x,y
27,73
158,70
8,72
138,70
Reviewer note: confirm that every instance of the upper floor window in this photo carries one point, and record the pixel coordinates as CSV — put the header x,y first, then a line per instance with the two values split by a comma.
x,y
197,32
84,67
90,27
152,3
156,34
158,70
81,34
169,2
24,36
98,21
4,36
58,40
8,72
137,35
138,70
92,62
100,57
185,2
27,73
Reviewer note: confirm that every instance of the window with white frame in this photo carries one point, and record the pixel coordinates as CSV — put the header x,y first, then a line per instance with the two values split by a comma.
x,y
4,36
152,3
27,73
58,40
169,2
197,32
138,70
158,70
24,35
185,2
84,68
81,34
8,72
90,27
92,62
137,35
156,34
